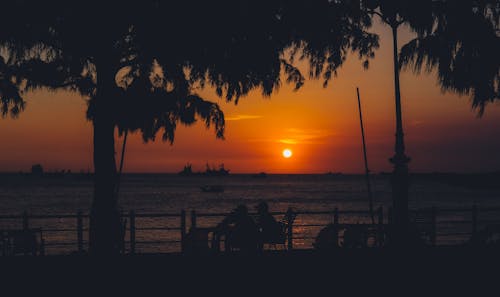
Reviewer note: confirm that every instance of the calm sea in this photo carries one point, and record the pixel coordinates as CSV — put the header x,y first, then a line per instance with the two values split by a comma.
x,y
157,193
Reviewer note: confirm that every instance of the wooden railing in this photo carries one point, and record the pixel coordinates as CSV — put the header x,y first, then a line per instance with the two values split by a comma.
x,y
165,232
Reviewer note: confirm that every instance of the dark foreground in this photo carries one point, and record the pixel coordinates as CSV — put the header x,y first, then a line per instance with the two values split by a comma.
x,y
442,271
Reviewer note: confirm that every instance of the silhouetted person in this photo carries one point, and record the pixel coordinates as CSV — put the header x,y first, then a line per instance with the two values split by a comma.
x,y
270,230
355,236
327,238
240,231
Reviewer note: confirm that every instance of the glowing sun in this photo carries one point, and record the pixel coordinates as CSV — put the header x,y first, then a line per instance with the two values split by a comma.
x,y
287,153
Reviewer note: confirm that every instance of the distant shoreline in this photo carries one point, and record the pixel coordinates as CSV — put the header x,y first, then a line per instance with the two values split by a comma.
x,y
497,173
486,180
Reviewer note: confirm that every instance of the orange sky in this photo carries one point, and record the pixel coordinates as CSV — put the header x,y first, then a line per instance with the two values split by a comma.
x,y
320,125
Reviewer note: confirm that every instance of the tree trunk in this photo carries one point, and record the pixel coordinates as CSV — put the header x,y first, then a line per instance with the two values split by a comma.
x,y
400,175
105,221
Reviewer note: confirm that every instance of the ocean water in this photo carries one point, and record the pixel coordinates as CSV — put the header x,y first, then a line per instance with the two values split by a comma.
x,y
157,193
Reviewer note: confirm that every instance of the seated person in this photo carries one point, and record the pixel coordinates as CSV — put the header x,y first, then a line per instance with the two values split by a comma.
x,y
239,230
327,238
270,230
355,236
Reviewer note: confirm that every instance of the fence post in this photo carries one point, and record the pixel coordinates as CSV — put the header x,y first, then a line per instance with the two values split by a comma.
x,y
25,225
79,231
289,218
335,224
183,228
25,220
380,235
474,220
132,232
433,225
193,219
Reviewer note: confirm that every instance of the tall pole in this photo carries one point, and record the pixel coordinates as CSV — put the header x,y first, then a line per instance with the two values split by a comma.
x,y
400,176
121,163
367,171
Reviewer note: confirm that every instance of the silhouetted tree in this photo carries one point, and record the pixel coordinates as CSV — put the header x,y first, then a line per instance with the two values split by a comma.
x,y
463,45
458,38
10,99
140,62
324,31
70,53
18,44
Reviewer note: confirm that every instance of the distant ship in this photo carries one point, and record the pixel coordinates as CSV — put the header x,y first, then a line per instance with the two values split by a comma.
x,y
260,175
188,170
212,171
334,173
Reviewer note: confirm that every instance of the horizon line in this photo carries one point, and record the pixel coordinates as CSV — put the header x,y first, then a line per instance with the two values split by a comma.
x,y
269,173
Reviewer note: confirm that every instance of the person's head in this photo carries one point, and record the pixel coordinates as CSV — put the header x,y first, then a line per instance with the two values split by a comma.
x,y
262,207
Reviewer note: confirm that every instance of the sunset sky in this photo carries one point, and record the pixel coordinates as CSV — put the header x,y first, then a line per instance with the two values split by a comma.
x,y
319,125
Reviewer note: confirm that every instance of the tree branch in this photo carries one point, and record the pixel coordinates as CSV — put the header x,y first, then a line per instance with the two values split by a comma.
x,y
372,11
67,84
386,20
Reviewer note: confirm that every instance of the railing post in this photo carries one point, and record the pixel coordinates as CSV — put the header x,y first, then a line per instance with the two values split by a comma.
x,y
25,225
390,228
132,232
380,212
183,228
79,231
433,225
25,220
193,219
335,223
380,235
289,219
474,220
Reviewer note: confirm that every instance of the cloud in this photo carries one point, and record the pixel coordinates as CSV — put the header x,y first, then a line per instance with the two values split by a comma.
x,y
296,136
242,117
288,141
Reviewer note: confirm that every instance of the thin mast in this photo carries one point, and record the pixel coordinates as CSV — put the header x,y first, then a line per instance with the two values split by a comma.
x,y
367,171
121,164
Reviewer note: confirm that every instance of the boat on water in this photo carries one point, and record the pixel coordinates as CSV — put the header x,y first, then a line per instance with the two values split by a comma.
x,y
188,170
334,173
212,171
212,189
260,175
